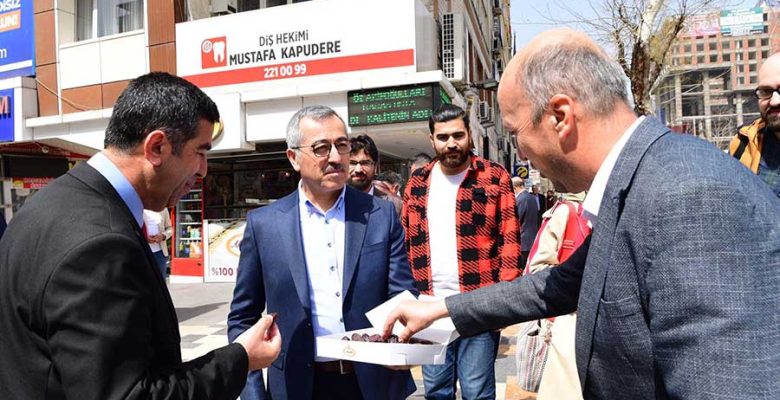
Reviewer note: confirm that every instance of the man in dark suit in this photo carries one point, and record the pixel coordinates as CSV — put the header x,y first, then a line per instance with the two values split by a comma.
x,y
320,258
84,311
677,293
528,215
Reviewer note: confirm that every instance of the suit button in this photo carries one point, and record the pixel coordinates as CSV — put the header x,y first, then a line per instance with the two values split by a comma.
x,y
308,365
308,324
338,294
332,268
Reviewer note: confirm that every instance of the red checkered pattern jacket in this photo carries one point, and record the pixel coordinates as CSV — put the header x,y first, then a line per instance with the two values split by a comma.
x,y
487,227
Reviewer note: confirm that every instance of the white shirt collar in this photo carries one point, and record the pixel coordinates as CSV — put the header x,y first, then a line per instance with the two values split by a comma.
x,y
599,185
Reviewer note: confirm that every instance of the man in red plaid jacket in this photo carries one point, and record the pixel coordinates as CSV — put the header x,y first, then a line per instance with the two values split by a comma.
x,y
461,234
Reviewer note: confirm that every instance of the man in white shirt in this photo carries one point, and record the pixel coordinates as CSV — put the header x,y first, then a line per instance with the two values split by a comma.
x,y
320,258
679,280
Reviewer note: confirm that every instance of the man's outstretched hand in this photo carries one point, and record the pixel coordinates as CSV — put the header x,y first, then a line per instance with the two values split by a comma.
x,y
262,343
415,315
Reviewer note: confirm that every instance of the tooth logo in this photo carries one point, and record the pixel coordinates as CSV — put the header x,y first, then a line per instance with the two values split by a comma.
x,y
213,52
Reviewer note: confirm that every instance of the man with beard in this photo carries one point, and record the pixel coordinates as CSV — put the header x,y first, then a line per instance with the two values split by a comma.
x,y
757,145
676,289
363,164
461,234
311,258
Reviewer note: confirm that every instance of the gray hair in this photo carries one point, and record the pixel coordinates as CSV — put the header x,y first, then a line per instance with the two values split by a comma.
x,y
518,181
580,72
317,113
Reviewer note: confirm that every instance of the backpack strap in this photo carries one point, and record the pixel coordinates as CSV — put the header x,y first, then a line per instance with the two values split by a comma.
x,y
743,141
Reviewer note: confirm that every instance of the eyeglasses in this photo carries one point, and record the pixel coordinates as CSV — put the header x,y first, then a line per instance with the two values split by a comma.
x,y
363,163
764,93
323,149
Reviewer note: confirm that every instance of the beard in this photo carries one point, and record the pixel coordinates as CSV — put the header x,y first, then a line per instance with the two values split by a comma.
x,y
772,119
454,158
359,182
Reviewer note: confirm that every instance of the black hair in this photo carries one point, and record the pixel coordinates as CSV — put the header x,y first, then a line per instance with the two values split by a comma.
x,y
365,143
391,177
448,112
158,101
421,158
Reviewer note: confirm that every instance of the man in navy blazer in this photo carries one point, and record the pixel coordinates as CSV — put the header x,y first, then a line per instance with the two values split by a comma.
x,y
320,258
677,289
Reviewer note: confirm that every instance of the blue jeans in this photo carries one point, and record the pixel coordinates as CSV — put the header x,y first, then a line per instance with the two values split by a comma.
x,y
472,361
162,262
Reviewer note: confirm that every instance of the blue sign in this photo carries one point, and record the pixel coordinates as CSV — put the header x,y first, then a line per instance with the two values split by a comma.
x,y
7,115
17,38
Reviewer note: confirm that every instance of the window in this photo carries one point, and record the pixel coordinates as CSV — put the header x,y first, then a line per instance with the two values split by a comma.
x,y
700,59
686,60
752,67
740,68
766,29
713,58
699,46
726,57
764,41
725,45
738,44
739,56
107,17
740,80
765,54
687,48
751,42
752,55
753,79
713,46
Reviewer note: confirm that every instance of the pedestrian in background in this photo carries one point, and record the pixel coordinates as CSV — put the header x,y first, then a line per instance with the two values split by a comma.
x,y
757,145
545,348
83,312
527,214
157,230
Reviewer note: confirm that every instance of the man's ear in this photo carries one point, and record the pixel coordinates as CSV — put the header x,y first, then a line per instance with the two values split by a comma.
x,y
561,115
292,156
157,147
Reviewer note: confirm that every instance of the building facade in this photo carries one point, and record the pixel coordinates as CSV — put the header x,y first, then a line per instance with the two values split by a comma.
x,y
709,87
384,65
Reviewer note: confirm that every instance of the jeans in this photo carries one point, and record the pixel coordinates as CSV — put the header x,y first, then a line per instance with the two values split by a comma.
x,y
472,361
162,262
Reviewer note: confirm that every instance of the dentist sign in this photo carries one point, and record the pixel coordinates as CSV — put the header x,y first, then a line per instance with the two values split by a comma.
x,y
303,39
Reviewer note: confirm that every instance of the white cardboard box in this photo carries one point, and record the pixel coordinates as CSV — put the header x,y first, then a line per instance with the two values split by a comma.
x,y
441,332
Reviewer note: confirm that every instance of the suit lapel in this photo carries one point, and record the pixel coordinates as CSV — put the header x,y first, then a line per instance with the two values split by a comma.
x,y
595,273
356,213
290,240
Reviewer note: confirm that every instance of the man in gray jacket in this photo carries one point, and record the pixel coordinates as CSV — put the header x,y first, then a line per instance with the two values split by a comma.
x,y
677,289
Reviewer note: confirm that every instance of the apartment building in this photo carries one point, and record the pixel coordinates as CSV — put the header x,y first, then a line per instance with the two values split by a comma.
x,y
708,90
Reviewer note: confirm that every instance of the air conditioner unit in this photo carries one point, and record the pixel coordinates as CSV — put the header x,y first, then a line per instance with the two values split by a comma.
x,y
223,6
485,112
453,57
497,9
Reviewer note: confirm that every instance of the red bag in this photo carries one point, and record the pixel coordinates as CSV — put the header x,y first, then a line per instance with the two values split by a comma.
x,y
577,229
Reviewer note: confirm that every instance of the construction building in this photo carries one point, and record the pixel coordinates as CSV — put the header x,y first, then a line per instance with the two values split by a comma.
x,y
709,87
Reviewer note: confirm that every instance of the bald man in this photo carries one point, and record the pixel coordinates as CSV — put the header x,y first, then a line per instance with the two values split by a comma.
x,y
757,145
678,287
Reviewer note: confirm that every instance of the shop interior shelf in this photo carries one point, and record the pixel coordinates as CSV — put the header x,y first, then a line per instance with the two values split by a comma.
x,y
182,238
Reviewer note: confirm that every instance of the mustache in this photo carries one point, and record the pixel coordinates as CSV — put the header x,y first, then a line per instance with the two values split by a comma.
x,y
333,168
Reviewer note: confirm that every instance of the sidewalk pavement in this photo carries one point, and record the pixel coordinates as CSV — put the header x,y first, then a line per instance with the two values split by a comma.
x,y
202,309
